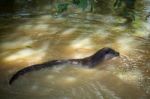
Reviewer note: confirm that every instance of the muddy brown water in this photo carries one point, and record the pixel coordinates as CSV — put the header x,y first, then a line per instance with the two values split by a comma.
x,y
30,41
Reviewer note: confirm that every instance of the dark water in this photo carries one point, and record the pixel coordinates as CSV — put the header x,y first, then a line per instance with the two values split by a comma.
x,y
27,41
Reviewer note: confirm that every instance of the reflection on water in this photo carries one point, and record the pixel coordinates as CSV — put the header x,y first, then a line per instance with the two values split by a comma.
x,y
44,38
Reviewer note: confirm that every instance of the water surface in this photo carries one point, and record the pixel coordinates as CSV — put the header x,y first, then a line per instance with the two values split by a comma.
x,y
27,41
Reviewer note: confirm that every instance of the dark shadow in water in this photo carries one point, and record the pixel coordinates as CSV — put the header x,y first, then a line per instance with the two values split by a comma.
x,y
7,8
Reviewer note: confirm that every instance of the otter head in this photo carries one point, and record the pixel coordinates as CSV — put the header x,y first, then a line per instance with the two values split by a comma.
x,y
109,53
103,55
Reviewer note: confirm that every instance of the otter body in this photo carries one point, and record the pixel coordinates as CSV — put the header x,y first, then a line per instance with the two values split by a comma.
x,y
90,62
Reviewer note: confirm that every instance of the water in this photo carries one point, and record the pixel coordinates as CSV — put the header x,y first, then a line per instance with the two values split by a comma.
x,y
27,41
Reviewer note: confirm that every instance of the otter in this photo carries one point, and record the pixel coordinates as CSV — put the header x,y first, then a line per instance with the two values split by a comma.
x,y
90,62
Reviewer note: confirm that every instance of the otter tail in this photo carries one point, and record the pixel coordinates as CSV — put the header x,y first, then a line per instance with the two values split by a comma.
x,y
34,68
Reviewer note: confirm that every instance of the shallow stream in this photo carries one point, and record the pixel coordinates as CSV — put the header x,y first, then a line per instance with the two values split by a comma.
x,y
28,41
